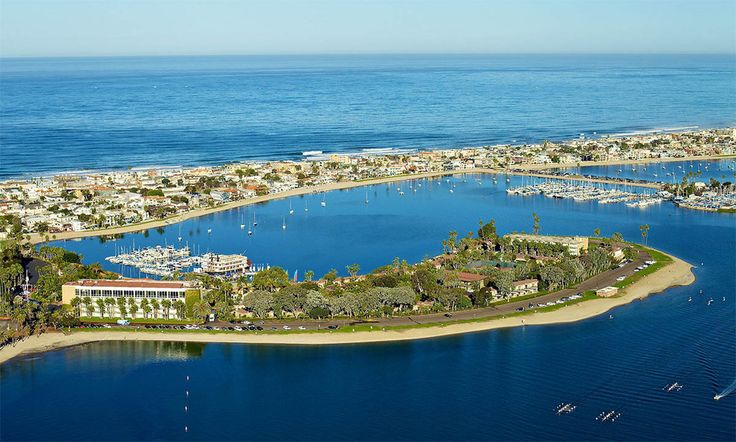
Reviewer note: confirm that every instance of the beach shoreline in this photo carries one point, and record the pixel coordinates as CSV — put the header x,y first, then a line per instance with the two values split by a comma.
x,y
36,238
677,273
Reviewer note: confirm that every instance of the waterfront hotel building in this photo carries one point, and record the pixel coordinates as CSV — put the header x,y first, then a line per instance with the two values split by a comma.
x,y
135,289
576,245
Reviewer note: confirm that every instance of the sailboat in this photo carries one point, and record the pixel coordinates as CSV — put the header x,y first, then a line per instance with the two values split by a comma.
x,y
323,203
250,231
366,197
306,208
242,222
283,223
179,237
255,223
291,211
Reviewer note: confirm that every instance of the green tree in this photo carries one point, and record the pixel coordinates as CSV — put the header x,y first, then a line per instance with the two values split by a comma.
x,y
155,306
122,307
146,307
487,232
353,269
110,304
330,276
166,305
76,302
271,279
201,310
89,307
101,306
535,225
644,228
132,307
596,232
260,302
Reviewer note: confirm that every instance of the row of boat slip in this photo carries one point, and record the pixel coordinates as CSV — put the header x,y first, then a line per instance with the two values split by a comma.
x,y
158,260
586,193
708,201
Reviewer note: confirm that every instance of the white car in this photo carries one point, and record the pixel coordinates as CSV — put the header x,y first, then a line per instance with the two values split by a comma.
x,y
301,327
238,329
620,278
286,327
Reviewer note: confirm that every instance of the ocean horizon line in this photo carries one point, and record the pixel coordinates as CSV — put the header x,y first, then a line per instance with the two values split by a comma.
x,y
359,54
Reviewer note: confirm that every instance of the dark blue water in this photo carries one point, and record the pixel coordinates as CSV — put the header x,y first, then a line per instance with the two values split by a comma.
x,y
498,385
103,113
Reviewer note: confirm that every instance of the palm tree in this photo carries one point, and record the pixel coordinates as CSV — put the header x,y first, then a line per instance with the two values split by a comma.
x,y
101,305
155,306
89,307
535,225
133,307
122,307
145,307
644,228
110,303
75,304
166,304
179,306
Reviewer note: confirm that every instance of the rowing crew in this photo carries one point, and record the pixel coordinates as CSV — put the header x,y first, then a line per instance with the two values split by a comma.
x,y
565,408
608,416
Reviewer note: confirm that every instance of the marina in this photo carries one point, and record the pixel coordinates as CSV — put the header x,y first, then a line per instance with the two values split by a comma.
x,y
588,192
166,261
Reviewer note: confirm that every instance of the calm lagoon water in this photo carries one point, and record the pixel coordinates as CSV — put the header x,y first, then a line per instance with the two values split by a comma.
x,y
114,113
497,385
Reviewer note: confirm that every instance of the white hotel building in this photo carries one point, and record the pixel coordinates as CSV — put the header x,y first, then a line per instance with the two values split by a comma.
x,y
136,289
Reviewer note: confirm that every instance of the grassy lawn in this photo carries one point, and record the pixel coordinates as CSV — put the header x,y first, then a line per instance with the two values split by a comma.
x,y
520,298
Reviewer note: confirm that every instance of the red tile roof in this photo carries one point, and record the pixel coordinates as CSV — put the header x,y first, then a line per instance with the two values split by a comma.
x,y
129,283
470,277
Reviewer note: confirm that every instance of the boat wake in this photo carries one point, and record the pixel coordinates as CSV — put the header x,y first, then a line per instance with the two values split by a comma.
x,y
730,389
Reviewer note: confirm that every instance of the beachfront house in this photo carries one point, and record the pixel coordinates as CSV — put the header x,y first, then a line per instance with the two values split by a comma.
x,y
471,282
576,245
524,287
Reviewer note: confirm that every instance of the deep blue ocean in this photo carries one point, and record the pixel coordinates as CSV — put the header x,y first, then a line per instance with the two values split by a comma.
x,y
103,113
496,385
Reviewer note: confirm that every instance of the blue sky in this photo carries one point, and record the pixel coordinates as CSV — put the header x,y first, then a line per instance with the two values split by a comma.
x,y
168,27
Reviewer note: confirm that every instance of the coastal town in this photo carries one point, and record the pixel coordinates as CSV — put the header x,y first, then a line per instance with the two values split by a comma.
x,y
41,208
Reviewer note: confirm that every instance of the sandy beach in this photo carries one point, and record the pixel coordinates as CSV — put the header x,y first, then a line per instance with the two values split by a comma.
x,y
38,238
677,273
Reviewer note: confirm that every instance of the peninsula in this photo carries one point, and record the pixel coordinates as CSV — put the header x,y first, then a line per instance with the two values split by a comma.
x,y
480,282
